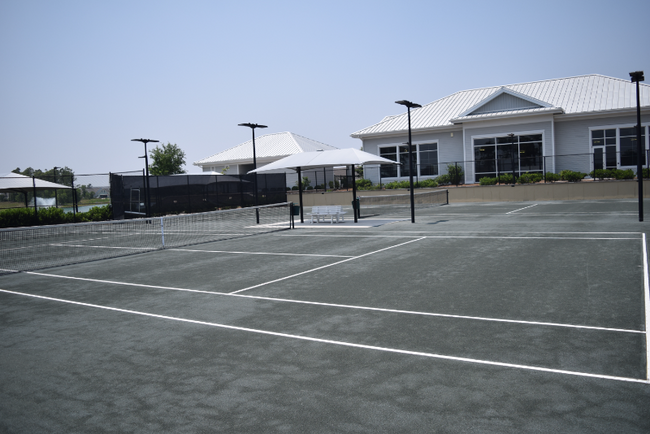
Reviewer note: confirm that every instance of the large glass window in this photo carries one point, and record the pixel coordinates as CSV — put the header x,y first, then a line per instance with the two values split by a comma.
x,y
628,146
425,161
428,159
500,154
388,170
608,143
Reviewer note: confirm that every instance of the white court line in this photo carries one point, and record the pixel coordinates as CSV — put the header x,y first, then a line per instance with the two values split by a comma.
x,y
646,297
344,306
526,207
326,266
477,236
341,343
262,253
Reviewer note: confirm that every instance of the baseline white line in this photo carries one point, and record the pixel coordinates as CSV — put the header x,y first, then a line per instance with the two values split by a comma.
x,y
411,234
341,343
262,253
527,238
646,297
326,266
345,306
526,207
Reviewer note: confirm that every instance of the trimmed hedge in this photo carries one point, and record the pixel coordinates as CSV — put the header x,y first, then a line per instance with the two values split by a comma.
x,y
18,217
613,174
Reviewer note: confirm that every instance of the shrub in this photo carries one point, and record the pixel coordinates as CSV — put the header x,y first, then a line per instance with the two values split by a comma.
x,y
552,177
599,174
530,178
504,178
487,181
443,179
363,184
52,216
398,184
624,174
295,187
455,173
428,183
571,176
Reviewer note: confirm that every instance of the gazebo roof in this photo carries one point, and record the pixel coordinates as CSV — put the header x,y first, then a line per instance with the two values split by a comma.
x,y
268,147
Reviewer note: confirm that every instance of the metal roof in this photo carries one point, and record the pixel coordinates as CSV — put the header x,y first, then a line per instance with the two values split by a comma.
x,y
565,96
268,146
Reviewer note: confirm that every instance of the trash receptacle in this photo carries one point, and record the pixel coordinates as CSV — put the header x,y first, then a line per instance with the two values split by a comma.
x,y
296,209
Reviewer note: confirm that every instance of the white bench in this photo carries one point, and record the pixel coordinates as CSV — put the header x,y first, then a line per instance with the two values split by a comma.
x,y
330,211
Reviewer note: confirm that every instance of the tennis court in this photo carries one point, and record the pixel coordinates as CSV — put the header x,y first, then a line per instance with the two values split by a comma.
x,y
490,317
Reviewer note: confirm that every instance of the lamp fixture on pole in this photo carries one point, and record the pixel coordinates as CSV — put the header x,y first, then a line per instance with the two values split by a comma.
x,y
146,166
252,127
409,105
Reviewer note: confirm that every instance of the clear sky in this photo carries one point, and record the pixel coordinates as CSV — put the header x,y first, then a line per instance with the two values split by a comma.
x,y
81,78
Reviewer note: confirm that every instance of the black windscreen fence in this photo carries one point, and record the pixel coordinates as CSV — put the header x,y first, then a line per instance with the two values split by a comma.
x,y
177,194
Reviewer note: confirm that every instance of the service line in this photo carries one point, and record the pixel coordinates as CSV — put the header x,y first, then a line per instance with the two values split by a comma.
x,y
327,266
526,207
341,343
343,306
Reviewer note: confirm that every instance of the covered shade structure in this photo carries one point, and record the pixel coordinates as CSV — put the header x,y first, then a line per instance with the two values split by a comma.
x,y
23,184
314,160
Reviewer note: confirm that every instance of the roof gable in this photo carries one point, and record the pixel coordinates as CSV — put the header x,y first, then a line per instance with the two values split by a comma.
x,y
504,100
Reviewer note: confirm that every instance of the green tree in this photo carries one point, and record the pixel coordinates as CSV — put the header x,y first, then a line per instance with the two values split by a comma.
x,y
167,161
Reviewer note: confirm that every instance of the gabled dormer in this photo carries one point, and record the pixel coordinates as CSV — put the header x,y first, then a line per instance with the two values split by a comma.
x,y
506,102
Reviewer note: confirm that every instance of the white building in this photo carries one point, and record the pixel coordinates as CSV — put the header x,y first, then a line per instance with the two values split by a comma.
x,y
576,123
268,148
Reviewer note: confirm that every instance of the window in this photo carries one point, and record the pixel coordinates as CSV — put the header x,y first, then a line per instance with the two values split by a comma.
x,y
388,170
614,147
428,159
425,162
503,154
628,146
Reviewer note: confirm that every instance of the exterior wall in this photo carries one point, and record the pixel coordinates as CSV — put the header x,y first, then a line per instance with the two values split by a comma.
x,y
573,137
476,130
450,149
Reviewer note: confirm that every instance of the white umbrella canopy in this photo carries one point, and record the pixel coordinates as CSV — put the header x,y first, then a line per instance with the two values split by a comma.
x,y
317,159
16,181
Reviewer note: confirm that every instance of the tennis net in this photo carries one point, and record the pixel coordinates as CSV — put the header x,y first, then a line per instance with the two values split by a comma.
x,y
33,248
400,204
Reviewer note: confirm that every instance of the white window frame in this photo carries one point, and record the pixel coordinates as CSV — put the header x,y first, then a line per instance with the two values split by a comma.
x,y
503,134
618,127
416,150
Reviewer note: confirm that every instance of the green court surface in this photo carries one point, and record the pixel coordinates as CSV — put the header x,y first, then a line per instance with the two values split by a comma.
x,y
477,318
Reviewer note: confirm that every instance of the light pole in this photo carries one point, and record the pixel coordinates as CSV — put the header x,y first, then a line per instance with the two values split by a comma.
x,y
56,194
638,77
252,127
409,105
512,156
146,167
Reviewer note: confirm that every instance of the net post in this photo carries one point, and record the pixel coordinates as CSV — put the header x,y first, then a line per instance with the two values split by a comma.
x,y
162,231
